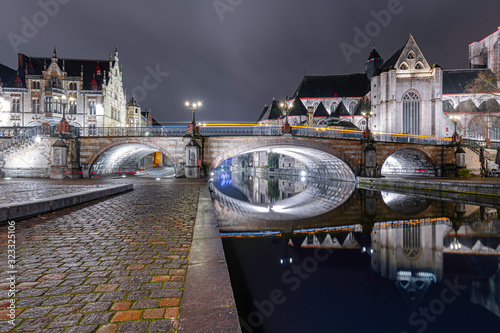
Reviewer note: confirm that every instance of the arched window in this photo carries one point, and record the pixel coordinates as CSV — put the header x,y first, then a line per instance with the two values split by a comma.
x,y
403,66
419,65
411,113
475,129
351,107
15,105
333,107
362,124
495,131
36,105
315,105
411,55
92,108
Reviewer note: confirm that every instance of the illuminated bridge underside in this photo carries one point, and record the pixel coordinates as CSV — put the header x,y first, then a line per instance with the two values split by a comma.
x,y
123,157
317,162
409,162
318,198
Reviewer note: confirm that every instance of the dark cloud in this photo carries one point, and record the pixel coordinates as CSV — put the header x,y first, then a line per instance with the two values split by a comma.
x,y
260,50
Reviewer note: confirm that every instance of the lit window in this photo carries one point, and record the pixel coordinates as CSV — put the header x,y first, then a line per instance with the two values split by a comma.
x,y
475,129
411,113
495,131
15,105
36,105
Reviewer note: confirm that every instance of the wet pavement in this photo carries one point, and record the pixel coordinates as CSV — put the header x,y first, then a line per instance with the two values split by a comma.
x,y
111,265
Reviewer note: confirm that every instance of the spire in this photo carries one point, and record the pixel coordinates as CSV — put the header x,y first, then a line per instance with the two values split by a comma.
x,y
55,53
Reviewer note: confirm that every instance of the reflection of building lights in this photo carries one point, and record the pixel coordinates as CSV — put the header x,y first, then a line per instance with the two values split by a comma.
x,y
281,261
363,250
99,108
290,260
303,179
38,139
211,173
455,245
7,178
303,173
123,176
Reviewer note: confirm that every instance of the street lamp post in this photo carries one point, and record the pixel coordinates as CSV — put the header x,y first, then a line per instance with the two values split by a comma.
x,y
367,115
193,106
286,109
455,138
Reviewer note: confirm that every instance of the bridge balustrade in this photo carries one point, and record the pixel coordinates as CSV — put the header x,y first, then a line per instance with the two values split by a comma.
x,y
215,130
155,131
318,132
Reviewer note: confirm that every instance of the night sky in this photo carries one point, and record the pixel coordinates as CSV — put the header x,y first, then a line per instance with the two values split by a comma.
x,y
238,57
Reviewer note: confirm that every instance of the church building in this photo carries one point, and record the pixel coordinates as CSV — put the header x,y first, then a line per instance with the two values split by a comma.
x,y
406,94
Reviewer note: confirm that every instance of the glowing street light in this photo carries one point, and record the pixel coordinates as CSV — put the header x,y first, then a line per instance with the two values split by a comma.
x,y
193,106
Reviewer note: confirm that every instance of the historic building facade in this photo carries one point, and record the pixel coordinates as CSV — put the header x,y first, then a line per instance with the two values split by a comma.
x,y
405,94
89,93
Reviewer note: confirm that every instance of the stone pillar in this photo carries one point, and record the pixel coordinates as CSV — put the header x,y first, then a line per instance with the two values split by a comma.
x,y
59,159
370,155
192,159
460,158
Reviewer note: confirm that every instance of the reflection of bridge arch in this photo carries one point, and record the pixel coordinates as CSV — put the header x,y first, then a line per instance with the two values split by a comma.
x,y
410,161
118,155
406,204
317,157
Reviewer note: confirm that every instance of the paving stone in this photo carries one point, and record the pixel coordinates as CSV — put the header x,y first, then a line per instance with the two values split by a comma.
x,y
145,304
95,307
68,320
32,292
130,287
162,326
36,312
121,306
108,328
33,324
134,327
65,309
57,300
81,329
96,318
138,295
57,291
113,296
170,302
163,293
83,289
127,315
85,298
106,287
153,313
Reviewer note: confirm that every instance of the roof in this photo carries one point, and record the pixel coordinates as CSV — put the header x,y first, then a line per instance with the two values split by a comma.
x,y
7,75
321,111
391,62
374,54
273,112
297,108
341,110
363,105
73,67
466,106
262,114
455,81
343,85
133,102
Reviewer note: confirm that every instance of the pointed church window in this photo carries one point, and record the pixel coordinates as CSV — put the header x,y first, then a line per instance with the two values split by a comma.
x,y
403,67
411,55
411,113
419,66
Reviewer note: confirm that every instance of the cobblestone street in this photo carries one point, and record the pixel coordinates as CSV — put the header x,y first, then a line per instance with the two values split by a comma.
x,y
112,265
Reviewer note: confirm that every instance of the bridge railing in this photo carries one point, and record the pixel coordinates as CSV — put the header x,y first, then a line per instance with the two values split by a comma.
x,y
410,138
325,132
480,143
156,131
239,129
23,134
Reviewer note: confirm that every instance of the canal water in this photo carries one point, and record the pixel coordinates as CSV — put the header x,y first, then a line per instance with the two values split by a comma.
x,y
315,255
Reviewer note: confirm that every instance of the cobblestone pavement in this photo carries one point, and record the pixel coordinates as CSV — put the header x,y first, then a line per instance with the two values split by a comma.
x,y
115,265
19,189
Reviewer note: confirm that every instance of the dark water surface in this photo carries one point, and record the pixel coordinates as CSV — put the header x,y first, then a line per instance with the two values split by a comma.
x,y
357,260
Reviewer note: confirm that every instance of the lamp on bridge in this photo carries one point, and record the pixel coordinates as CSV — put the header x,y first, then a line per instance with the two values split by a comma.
x,y
286,109
367,114
63,125
193,105
455,138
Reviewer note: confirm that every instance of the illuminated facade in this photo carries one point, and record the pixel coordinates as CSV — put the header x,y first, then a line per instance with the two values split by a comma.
x,y
406,94
89,92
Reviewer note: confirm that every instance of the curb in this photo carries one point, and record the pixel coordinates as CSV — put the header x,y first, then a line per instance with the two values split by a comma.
x,y
208,303
27,209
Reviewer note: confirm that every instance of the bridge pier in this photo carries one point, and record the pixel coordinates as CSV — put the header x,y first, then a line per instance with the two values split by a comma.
x,y
193,162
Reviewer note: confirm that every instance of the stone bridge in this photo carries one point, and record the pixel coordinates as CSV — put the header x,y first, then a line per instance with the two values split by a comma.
x,y
344,158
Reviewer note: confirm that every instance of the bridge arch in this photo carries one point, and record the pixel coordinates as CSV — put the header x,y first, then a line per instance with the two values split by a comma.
x,y
317,157
409,161
118,155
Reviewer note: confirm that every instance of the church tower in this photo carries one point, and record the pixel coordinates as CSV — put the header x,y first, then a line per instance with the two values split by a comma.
x,y
373,63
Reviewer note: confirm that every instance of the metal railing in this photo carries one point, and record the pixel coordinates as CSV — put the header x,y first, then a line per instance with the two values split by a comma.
x,y
131,131
325,132
24,135
410,138
239,129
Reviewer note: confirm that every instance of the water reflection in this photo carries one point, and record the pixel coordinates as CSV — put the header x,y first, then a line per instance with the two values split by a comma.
x,y
382,252
275,197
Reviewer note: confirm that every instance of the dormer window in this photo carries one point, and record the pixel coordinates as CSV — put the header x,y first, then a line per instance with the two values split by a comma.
x,y
419,66
93,85
97,70
403,66
411,55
